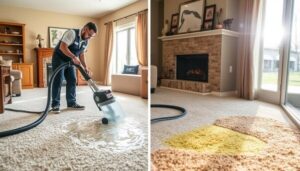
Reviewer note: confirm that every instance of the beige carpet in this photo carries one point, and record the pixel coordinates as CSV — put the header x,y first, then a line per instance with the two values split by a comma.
x,y
75,140
282,151
202,111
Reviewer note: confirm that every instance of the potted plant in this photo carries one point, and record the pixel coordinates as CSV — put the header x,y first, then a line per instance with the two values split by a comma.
x,y
219,23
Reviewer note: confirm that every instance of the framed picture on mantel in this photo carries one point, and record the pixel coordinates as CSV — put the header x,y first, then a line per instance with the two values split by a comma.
x,y
209,17
174,24
191,16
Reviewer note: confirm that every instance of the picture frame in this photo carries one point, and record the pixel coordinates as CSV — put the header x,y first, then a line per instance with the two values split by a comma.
x,y
209,17
55,34
174,23
191,16
208,25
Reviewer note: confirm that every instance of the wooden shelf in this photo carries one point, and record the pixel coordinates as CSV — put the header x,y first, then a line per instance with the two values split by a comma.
x,y
11,35
11,54
10,44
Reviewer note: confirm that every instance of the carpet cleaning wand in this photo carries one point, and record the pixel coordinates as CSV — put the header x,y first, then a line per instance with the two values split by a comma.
x,y
103,99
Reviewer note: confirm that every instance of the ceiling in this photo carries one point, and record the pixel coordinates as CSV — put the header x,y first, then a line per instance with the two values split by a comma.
x,y
88,8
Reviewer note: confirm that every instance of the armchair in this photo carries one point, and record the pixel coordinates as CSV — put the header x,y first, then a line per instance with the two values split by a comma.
x,y
16,82
15,77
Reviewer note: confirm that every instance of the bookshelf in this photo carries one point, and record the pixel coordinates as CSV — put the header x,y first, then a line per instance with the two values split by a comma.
x,y
12,41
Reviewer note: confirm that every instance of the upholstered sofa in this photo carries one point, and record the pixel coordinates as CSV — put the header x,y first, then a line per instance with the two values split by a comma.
x,y
126,83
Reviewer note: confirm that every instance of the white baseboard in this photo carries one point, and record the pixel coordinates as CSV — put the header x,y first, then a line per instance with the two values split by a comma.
x,y
186,91
220,94
225,93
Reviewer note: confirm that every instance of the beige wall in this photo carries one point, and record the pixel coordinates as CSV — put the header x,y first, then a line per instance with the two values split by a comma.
x,y
228,59
230,8
133,8
156,27
37,22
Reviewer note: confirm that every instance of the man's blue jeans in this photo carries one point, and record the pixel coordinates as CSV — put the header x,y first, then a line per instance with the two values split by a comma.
x,y
70,76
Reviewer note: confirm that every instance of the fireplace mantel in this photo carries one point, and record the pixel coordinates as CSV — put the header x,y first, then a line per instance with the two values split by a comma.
x,y
201,34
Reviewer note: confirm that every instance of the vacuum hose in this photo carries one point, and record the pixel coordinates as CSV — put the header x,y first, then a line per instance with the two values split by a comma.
x,y
45,112
181,109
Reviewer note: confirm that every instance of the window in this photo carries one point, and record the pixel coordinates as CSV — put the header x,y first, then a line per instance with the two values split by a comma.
x,y
272,36
125,49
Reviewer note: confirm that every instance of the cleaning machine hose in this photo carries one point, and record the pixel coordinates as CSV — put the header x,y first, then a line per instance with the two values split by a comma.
x,y
181,109
44,113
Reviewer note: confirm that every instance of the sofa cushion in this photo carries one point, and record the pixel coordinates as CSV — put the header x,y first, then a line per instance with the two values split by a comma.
x,y
6,62
130,69
126,83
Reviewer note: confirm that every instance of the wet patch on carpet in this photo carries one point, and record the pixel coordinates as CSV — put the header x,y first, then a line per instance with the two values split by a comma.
x,y
114,137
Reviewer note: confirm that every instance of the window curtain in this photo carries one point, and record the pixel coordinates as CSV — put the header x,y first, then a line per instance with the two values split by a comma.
x,y
141,38
108,51
248,48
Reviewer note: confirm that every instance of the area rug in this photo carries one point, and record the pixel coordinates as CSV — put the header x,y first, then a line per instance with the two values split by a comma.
x,y
281,151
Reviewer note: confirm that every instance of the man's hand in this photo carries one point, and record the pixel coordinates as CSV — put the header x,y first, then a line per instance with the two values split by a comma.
x,y
88,71
76,61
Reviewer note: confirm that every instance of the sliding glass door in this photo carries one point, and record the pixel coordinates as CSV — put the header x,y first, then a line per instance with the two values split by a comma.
x,y
279,71
271,51
292,82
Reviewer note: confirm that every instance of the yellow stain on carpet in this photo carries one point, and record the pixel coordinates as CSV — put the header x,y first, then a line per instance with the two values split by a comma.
x,y
216,140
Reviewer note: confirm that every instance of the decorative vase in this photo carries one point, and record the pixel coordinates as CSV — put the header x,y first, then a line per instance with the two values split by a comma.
x,y
219,26
165,29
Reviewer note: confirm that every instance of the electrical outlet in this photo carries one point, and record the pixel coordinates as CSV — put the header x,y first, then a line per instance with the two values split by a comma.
x,y
230,69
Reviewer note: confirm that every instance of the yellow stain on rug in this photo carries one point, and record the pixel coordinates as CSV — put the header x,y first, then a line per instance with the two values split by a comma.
x,y
216,140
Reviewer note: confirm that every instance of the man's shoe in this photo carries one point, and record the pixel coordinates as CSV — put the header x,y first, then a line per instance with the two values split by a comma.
x,y
76,107
55,110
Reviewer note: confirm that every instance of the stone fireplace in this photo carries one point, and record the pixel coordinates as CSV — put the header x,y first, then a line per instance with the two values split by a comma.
x,y
46,66
202,61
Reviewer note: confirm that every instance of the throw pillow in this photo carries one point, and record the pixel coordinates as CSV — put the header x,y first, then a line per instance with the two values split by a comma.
x,y
6,62
130,69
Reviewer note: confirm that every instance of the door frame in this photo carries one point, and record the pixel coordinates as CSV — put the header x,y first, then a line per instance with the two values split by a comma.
x,y
292,114
269,95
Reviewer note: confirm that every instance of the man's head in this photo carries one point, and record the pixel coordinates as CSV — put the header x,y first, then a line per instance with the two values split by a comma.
x,y
89,30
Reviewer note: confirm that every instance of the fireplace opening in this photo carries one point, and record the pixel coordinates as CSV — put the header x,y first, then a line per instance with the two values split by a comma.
x,y
50,72
192,67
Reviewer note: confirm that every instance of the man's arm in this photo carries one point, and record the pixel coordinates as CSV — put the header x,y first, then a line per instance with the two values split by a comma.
x,y
82,60
64,48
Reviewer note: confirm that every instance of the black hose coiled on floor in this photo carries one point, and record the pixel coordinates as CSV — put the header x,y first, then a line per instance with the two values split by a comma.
x,y
181,109
45,112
